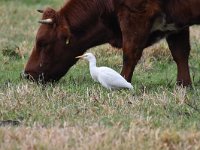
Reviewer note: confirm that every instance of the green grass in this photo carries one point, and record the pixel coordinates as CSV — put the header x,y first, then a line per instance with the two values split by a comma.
x,y
77,113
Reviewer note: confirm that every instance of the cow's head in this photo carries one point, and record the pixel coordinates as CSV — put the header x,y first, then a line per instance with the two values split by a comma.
x,y
53,53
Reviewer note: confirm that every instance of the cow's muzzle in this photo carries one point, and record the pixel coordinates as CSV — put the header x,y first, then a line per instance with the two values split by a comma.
x,y
33,77
24,75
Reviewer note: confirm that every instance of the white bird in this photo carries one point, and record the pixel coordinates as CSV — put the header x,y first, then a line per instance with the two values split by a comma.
x,y
108,77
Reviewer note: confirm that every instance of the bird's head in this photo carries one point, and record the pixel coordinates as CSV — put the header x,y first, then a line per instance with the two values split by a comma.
x,y
87,56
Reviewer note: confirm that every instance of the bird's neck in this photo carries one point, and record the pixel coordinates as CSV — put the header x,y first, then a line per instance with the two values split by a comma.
x,y
92,64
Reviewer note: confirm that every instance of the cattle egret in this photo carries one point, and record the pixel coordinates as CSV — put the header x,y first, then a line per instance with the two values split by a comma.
x,y
108,77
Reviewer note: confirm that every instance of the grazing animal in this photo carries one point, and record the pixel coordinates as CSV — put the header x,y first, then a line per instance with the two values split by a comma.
x,y
108,77
128,24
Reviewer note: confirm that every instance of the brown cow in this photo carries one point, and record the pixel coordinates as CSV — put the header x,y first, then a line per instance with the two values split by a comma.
x,y
128,24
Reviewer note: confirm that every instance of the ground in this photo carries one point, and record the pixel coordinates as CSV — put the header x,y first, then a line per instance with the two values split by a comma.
x,y
77,113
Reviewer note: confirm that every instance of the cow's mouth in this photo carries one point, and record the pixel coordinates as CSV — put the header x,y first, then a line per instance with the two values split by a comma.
x,y
40,78
33,76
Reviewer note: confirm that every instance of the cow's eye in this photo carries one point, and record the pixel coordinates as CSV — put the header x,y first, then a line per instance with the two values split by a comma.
x,y
42,44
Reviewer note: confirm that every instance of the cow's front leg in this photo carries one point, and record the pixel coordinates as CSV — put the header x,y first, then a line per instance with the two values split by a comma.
x,y
135,36
136,20
179,44
131,55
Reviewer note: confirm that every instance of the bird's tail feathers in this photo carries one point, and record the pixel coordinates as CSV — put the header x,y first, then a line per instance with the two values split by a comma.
x,y
130,86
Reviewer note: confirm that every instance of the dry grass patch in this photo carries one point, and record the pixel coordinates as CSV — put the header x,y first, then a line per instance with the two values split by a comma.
x,y
78,113
138,136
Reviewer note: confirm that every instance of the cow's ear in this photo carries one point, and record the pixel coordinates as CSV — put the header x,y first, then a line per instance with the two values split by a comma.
x,y
67,41
67,33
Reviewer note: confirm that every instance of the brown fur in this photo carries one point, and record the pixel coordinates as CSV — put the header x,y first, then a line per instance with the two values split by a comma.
x,y
125,24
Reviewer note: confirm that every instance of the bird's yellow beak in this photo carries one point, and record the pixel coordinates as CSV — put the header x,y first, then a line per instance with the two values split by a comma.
x,y
82,56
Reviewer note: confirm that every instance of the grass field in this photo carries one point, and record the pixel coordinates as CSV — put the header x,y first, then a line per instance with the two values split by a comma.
x,y
77,113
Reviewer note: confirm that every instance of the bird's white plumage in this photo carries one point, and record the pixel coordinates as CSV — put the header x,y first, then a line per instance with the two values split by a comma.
x,y
108,77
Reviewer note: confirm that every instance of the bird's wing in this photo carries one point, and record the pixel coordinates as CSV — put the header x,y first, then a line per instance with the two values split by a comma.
x,y
111,77
109,73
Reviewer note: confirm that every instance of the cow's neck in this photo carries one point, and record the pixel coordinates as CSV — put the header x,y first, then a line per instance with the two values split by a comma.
x,y
85,22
